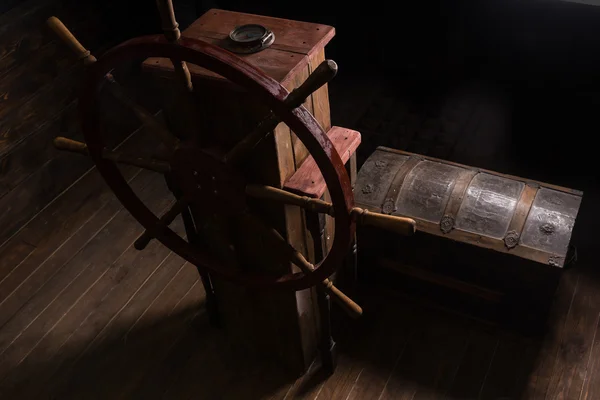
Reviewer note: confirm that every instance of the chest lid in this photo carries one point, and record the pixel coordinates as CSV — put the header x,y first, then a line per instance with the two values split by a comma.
x,y
532,220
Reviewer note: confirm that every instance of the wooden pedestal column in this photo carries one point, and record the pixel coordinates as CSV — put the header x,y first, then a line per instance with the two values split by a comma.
x,y
282,325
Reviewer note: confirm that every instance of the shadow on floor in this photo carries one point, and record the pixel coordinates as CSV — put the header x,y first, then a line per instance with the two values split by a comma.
x,y
178,356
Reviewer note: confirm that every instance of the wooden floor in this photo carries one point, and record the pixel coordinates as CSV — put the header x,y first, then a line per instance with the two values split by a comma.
x,y
85,315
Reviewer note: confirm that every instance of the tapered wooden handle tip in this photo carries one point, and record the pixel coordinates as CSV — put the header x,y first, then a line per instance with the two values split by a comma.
x,y
351,308
329,69
402,225
63,143
325,72
169,23
142,241
67,37
336,294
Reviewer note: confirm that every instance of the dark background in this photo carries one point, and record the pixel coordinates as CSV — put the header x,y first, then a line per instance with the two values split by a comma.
x,y
540,59
541,55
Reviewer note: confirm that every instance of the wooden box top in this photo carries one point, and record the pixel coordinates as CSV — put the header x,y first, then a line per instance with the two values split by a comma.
x,y
295,42
308,180
526,218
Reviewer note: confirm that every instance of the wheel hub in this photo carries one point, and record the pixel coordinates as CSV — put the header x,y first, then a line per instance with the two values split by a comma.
x,y
207,181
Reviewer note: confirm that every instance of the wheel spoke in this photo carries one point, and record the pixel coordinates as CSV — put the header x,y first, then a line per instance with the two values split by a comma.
x,y
225,207
283,196
393,223
289,253
75,146
165,220
149,164
145,117
241,150
400,225
172,33
320,76
185,101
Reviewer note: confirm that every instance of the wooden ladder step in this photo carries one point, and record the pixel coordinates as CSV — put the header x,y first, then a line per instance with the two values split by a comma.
x,y
308,180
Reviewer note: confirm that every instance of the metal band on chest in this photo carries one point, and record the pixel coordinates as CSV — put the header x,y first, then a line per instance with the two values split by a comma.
x,y
517,223
456,198
389,204
503,213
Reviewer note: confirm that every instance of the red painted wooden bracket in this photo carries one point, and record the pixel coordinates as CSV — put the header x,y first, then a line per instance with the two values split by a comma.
x,y
307,180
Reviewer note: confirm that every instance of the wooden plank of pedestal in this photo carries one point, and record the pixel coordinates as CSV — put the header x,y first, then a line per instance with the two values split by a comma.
x,y
308,181
275,323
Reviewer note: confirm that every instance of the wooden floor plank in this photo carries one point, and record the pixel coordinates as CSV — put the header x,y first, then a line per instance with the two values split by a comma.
x,y
253,380
591,387
97,306
338,385
543,368
27,32
195,380
71,350
131,341
316,379
215,370
12,254
509,371
25,73
390,345
310,384
153,308
15,16
162,372
428,366
472,371
27,156
14,23
180,317
36,88
450,347
382,340
41,187
77,276
30,155
18,85
56,223
74,224
571,362
19,206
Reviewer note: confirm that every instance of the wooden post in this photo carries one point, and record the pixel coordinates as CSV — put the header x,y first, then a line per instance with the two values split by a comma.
x,y
316,227
351,265
282,325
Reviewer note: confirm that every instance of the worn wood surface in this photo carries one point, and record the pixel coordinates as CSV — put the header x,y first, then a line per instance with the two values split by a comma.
x,y
39,81
294,36
157,345
290,66
300,151
320,98
297,44
496,173
307,180
277,64
152,346
460,235
272,163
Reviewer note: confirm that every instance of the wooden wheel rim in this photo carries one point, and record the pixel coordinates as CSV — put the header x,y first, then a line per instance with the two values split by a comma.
x,y
273,94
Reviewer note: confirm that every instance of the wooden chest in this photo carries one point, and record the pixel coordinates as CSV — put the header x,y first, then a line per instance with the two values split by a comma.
x,y
489,242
